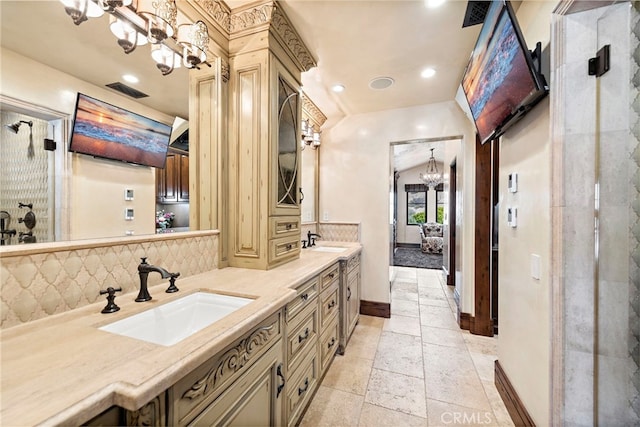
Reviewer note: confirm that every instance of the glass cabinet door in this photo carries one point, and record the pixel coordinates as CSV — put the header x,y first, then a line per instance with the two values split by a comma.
x,y
287,173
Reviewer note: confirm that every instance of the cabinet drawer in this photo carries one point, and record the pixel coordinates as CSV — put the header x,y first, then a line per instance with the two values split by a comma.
x,y
281,226
283,248
306,296
330,275
301,386
329,343
329,306
353,262
302,336
200,387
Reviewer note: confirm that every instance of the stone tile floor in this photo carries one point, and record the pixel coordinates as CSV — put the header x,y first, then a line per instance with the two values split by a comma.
x,y
417,368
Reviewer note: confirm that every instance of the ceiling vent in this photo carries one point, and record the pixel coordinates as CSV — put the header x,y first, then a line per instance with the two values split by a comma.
x,y
476,12
127,90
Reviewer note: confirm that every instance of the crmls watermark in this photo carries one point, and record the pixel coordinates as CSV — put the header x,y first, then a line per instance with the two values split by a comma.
x,y
462,418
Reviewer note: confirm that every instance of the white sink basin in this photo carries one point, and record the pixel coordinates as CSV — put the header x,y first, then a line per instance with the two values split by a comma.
x,y
174,321
335,249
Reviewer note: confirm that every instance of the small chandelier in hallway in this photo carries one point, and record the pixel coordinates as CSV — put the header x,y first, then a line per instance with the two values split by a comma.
x,y
431,177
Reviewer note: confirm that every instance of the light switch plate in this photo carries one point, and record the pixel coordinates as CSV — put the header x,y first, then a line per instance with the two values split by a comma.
x,y
128,214
512,217
512,184
325,216
128,193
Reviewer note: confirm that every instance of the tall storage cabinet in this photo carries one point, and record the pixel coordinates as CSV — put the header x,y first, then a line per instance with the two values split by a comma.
x,y
264,150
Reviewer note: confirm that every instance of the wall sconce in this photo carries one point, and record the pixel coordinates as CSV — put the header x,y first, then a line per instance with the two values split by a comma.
x,y
151,21
309,135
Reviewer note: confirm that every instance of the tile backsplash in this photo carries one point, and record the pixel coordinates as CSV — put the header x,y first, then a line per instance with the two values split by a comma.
x,y
41,280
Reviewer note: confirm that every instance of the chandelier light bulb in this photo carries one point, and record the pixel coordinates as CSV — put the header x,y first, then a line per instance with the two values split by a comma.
x,y
166,59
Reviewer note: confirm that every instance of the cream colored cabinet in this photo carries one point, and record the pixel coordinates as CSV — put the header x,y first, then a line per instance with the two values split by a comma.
x,y
252,400
264,162
350,298
303,331
242,385
329,313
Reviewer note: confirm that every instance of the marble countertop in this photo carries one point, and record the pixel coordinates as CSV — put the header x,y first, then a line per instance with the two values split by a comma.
x,y
63,370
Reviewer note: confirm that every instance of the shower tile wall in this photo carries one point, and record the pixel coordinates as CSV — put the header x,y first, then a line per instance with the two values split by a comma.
x,y
600,294
26,179
634,217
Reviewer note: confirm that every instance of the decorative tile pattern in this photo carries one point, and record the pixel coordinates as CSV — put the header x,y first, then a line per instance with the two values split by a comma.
x,y
25,176
38,284
339,231
634,219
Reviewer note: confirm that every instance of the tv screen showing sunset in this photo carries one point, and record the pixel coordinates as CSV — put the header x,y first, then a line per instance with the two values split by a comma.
x,y
498,78
103,130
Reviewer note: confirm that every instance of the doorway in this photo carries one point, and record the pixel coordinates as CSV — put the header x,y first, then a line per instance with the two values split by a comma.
x,y
420,213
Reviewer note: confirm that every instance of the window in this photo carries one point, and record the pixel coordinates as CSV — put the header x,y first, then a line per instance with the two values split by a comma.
x,y
439,207
416,203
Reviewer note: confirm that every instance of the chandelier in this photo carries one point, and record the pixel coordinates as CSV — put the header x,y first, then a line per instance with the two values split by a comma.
x,y
148,21
431,177
309,135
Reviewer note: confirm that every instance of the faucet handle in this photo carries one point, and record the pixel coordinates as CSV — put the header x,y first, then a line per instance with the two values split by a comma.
x,y
111,306
172,283
144,260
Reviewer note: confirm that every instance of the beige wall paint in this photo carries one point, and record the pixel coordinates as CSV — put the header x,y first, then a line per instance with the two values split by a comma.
x,y
354,179
524,302
96,186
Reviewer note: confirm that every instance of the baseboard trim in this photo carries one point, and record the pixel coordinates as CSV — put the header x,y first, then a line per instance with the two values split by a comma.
x,y
408,245
465,320
512,402
377,309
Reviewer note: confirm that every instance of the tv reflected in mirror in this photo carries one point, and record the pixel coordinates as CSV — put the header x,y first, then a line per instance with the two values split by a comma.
x,y
104,130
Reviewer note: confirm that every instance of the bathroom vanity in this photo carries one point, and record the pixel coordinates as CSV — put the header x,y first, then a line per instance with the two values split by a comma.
x,y
259,365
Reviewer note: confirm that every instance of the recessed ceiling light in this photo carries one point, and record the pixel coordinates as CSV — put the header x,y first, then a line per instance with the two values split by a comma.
x,y
380,83
432,4
130,78
428,73
337,88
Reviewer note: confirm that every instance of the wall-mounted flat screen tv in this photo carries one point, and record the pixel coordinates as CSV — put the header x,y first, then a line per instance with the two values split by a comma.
x,y
104,130
500,82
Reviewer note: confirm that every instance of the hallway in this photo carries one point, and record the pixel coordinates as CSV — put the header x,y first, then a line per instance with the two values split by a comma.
x,y
417,368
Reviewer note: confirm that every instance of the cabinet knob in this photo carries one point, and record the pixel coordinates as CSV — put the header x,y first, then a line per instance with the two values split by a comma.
x,y
348,293
332,342
303,337
280,386
331,305
304,387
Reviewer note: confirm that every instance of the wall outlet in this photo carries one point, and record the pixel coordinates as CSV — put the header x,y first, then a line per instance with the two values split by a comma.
x,y
129,233
325,216
535,266
128,193
307,216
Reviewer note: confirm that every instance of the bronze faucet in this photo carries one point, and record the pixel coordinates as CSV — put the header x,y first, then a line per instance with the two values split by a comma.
x,y
144,269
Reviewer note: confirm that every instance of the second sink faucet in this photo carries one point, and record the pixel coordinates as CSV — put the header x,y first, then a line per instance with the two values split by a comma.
x,y
144,269
311,238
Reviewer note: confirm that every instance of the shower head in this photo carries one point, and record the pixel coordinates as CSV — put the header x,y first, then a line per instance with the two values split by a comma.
x,y
16,126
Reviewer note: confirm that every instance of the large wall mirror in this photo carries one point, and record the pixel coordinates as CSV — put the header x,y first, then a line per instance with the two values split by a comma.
x,y
46,61
313,119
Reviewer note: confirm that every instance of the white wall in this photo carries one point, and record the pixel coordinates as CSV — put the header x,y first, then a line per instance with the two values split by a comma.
x,y
524,302
96,186
354,179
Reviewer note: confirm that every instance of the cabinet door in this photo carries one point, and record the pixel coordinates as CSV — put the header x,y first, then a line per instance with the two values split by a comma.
x,y
167,180
353,300
183,179
254,399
